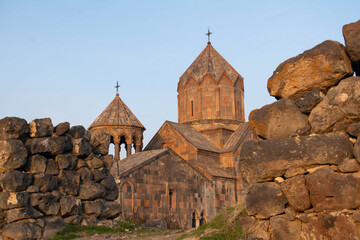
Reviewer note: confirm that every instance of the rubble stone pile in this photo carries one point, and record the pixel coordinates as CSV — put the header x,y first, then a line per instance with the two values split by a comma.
x,y
304,175
50,176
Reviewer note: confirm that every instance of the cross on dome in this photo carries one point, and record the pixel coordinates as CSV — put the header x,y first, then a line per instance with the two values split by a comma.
x,y
117,87
208,34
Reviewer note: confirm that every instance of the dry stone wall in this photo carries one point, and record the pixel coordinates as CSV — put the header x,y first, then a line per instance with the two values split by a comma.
x,y
50,176
304,175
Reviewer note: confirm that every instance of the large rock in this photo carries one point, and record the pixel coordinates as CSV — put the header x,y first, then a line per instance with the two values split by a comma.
x,y
41,128
15,181
37,164
85,174
80,132
49,145
255,229
277,120
13,155
22,213
309,100
265,200
13,128
320,67
296,193
52,225
91,190
100,143
81,147
110,210
336,226
62,128
333,191
351,34
94,162
45,182
22,231
112,191
66,161
340,105
52,167
265,160
349,165
9,200
70,205
69,182
283,229
94,208
353,129
47,203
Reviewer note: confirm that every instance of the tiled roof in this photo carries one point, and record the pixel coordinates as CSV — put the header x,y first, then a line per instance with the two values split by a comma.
x,y
136,161
116,114
241,133
211,62
194,137
215,172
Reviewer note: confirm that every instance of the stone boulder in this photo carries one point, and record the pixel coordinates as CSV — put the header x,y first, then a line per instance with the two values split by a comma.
x,y
41,128
349,165
111,210
13,128
66,161
10,200
23,230
277,120
81,147
353,129
255,229
13,155
112,191
309,100
62,128
69,182
70,205
333,191
45,182
336,226
91,190
15,181
320,67
283,229
36,164
52,225
100,143
22,213
49,146
265,160
94,208
351,34
80,132
47,203
296,193
52,167
340,105
265,200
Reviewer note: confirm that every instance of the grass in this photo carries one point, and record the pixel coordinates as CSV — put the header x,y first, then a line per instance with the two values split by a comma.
x,y
223,226
74,231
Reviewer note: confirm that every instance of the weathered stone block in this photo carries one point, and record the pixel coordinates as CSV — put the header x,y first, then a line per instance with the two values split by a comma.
x,y
100,143
95,163
326,226
351,34
16,214
112,191
255,229
52,167
9,200
45,202
283,229
85,174
45,182
333,191
22,230
80,132
36,164
296,193
277,120
41,128
99,174
15,181
69,182
353,129
52,226
339,105
265,200
66,161
110,210
94,208
91,190
264,160
49,145
108,161
320,67
62,128
70,205
349,165
13,155
309,100
13,128
81,147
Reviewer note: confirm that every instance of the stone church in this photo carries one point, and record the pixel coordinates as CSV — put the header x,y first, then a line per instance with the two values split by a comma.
x,y
189,170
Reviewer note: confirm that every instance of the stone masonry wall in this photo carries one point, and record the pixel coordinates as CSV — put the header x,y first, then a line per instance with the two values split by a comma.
x,y
52,176
304,176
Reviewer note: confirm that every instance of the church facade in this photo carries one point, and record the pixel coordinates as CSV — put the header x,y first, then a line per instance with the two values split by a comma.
x,y
189,171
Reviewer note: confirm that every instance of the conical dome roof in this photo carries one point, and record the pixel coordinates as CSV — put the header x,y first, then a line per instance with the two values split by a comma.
x,y
209,62
116,114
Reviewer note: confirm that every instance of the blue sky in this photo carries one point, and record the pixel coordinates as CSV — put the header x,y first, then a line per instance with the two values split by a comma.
x,y
61,59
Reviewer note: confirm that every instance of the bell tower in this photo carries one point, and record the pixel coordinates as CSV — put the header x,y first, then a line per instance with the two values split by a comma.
x,y
211,96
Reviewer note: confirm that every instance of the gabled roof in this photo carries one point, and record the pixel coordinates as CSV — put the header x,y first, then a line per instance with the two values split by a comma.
x,y
194,137
241,134
116,114
214,171
209,62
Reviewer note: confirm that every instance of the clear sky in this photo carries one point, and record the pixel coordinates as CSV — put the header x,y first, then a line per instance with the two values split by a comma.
x,y
61,59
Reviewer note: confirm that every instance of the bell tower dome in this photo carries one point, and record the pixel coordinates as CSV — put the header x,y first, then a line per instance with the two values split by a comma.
x,y
211,96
